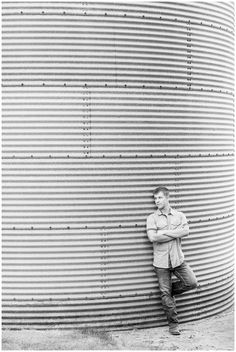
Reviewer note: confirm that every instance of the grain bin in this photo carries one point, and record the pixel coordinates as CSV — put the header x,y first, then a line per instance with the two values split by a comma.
x,y
101,103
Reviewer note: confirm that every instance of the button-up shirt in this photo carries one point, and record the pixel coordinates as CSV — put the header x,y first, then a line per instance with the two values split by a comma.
x,y
167,254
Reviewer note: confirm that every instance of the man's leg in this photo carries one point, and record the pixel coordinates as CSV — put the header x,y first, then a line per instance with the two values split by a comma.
x,y
168,302
187,279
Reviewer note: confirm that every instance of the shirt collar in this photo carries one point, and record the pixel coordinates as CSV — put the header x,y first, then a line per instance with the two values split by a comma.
x,y
170,212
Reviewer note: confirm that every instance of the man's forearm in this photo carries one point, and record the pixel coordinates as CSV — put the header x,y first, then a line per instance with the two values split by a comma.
x,y
178,233
167,235
158,236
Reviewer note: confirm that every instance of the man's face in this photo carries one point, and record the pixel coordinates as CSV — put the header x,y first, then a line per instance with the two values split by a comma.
x,y
161,200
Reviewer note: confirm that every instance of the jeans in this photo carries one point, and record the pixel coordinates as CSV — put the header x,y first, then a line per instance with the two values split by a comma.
x,y
187,281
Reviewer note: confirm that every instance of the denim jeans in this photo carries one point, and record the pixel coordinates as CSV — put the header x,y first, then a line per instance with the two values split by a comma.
x,y
187,281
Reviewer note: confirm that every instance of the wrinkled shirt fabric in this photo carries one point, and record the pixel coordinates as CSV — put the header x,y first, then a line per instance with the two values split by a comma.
x,y
167,254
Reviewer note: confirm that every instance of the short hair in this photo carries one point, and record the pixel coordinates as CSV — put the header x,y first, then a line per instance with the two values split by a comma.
x,y
161,189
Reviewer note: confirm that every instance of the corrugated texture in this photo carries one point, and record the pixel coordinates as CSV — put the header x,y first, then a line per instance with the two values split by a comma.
x,y
101,103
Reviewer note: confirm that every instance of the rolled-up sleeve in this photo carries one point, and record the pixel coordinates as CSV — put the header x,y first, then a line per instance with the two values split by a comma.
x,y
184,221
150,225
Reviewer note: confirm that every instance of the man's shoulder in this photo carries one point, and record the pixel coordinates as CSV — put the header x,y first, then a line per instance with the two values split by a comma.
x,y
151,221
177,212
151,215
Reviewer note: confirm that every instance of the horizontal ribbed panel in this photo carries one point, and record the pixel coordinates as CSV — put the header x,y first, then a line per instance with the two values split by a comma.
x,y
101,103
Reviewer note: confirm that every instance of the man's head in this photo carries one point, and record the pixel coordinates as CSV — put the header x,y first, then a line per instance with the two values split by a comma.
x,y
161,197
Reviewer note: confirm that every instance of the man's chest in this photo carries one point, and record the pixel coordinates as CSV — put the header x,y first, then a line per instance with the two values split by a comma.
x,y
164,222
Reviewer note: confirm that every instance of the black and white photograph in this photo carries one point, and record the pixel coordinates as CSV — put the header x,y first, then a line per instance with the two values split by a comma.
x,y
118,175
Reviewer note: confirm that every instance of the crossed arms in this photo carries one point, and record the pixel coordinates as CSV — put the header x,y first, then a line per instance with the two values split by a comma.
x,y
161,236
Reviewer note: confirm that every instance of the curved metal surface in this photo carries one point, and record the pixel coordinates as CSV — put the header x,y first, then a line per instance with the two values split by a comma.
x,y
102,102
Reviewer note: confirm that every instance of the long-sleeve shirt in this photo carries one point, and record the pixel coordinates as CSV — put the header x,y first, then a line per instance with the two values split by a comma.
x,y
167,254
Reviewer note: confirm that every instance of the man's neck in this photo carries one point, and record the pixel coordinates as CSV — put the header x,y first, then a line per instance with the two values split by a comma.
x,y
165,210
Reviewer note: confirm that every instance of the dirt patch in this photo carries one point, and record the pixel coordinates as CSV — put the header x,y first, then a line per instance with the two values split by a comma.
x,y
211,334
57,340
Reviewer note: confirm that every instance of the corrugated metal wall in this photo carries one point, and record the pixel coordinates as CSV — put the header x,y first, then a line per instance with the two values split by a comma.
x,y
101,103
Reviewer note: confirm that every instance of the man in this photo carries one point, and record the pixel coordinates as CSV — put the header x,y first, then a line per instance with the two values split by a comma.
x,y
165,228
